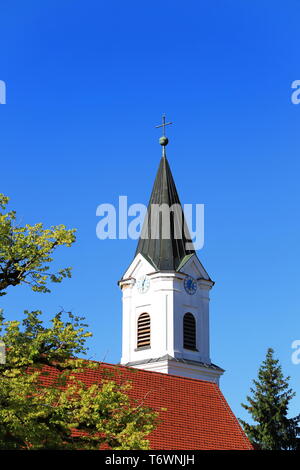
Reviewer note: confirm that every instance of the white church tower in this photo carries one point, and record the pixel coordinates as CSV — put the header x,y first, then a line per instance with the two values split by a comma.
x,y
166,291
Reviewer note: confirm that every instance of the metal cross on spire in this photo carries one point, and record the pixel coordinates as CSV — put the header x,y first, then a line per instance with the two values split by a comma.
x,y
164,124
164,140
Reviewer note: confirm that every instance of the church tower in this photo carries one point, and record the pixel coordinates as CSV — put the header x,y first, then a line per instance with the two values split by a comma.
x,y
166,291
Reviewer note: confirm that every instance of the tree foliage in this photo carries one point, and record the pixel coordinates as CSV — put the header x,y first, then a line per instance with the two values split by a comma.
x,y
26,252
43,402
65,414
268,406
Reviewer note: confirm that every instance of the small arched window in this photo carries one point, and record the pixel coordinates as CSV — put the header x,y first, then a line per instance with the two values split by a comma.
x,y
143,330
189,331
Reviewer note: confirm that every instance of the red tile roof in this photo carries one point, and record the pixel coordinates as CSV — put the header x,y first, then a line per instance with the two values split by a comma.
x,y
194,413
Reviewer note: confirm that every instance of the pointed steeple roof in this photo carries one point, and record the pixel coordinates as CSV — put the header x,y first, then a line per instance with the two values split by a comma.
x,y
165,235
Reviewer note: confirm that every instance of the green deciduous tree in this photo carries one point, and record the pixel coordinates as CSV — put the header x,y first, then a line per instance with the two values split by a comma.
x,y
268,406
34,416
43,402
26,252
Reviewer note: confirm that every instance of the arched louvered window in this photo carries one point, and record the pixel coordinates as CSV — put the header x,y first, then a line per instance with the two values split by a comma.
x,y
189,331
143,330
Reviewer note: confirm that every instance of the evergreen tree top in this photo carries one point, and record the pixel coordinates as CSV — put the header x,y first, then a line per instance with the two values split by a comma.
x,y
268,406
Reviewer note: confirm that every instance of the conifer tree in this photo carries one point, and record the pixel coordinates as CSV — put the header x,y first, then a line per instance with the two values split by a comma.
x,y
268,406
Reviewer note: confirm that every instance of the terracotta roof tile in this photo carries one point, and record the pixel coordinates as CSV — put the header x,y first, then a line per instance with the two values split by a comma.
x,y
195,413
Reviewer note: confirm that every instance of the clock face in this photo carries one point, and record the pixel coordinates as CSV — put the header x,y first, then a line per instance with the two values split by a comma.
x,y
190,285
143,284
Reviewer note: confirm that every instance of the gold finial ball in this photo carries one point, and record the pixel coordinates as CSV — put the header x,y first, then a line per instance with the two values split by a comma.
x,y
163,141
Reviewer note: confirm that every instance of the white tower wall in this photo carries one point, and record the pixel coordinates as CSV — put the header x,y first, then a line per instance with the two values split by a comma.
x,y
166,301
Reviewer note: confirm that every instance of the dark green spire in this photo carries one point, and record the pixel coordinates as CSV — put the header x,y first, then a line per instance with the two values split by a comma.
x,y
165,254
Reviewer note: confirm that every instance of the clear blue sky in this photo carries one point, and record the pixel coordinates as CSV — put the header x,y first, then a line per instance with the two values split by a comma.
x,y
86,84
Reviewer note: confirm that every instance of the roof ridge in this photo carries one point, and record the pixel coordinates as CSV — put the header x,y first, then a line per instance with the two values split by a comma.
x,y
133,369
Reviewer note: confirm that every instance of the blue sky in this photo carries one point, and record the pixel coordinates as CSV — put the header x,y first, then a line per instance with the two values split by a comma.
x,y
86,84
